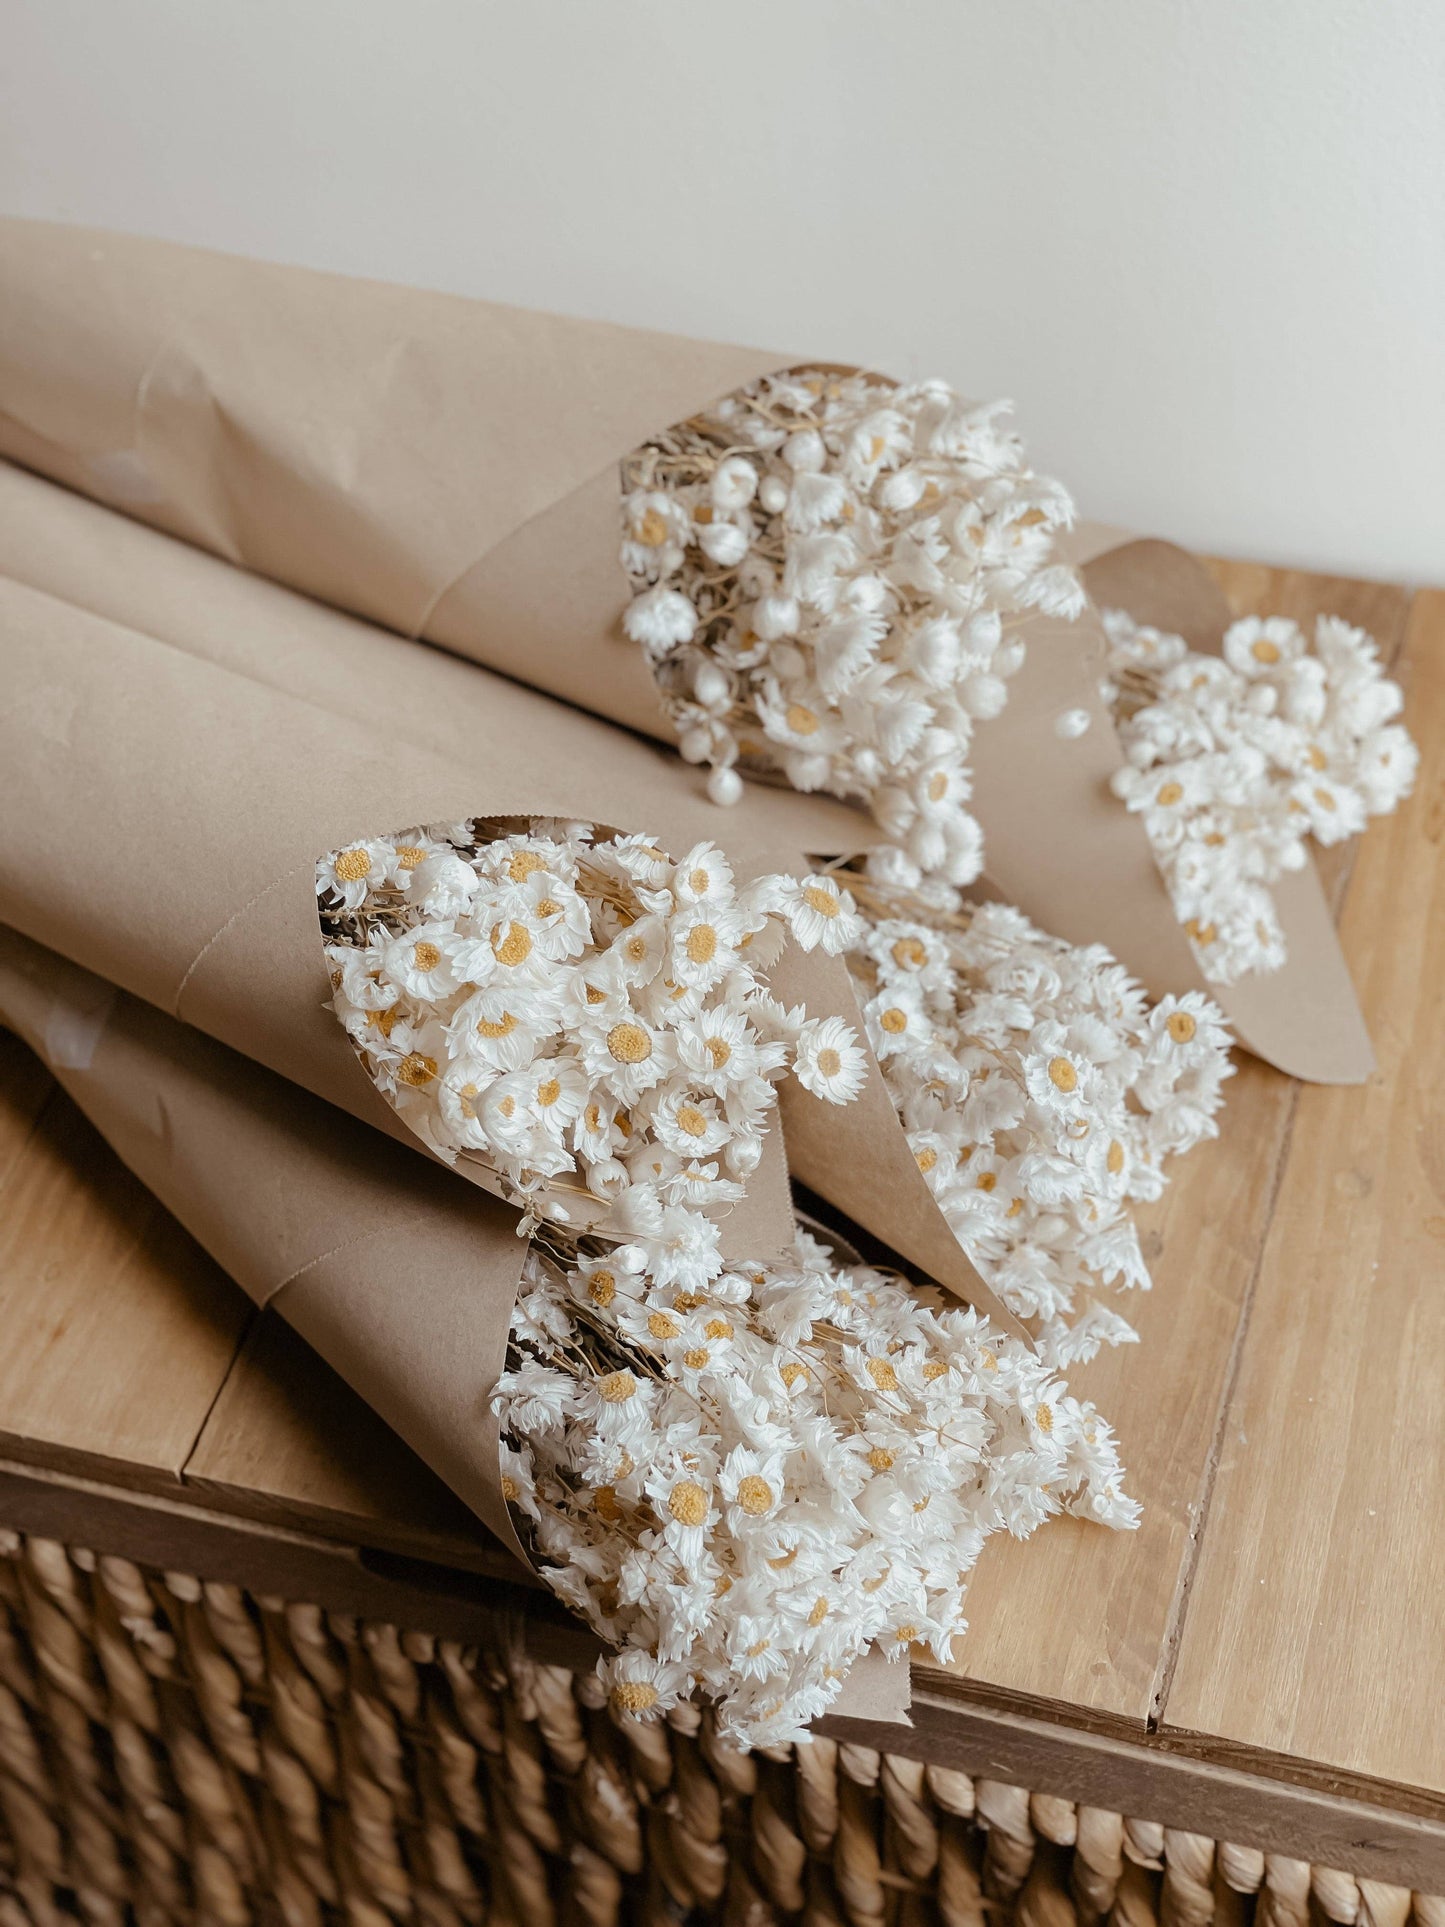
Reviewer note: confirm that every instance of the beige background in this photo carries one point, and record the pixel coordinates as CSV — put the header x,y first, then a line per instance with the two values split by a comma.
x,y
1202,241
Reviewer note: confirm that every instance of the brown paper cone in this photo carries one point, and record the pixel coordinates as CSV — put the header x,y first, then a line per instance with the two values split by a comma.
x,y
173,769
402,1277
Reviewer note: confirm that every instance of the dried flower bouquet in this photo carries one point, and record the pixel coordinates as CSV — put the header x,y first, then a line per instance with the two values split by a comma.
x,y
828,570
744,1471
1235,761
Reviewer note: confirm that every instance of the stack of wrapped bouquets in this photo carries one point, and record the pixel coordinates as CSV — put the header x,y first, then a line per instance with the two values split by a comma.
x,y
434,656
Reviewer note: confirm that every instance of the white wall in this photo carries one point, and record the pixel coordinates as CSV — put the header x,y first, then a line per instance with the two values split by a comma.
x,y
1202,242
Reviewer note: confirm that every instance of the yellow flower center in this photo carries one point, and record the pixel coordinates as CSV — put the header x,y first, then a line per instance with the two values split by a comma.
x,y
592,1117
894,1020
652,529
701,943
384,1020
1115,1158
635,949
604,1502
719,1050
634,1696
1062,1075
602,1288
502,1027
508,1107
909,954
935,1368
629,1043
426,956
829,1062
926,1158
510,1488
524,863
905,1635
662,1324
697,881
1169,794
1044,1418
1182,1026
987,1180
819,1613
937,787
1264,650
548,907
801,721
687,1502
617,1387
881,1459
1318,759
691,1120
883,1374
792,1374
696,1358
755,1495
408,855
416,1070
514,948
823,901
548,1093
1325,800
718,1328
352,866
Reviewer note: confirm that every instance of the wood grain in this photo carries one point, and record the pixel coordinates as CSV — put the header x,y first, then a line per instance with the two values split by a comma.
x,y
290,1443
1316,1625
119,1331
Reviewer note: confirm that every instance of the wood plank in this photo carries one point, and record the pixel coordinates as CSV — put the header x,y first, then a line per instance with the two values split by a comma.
x,y
1316,1625
290,1443
1085,1617
119,1331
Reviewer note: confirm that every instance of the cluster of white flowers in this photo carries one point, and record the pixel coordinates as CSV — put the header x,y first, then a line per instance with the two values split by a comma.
x,y
560,1007
825,568
1234,761
742,1487
1041,1094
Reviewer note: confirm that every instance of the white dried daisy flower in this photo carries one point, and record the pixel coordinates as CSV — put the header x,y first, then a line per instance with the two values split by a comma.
x,y
584,1017
1234,762
829,574
742,1485
1041,1095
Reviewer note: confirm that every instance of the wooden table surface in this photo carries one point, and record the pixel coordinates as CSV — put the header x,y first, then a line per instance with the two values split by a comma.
x,y
1282,1608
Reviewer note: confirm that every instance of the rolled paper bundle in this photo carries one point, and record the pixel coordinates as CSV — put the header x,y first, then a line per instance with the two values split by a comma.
x,y
182,741
403,1278
454,470
400,1276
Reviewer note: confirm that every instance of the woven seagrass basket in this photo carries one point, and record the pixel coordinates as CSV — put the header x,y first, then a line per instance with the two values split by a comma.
x,y
173,1750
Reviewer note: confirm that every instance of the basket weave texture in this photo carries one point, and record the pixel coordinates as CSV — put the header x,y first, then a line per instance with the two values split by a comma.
x,y
177,1751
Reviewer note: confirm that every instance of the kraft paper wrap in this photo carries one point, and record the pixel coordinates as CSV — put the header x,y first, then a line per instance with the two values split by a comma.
x,y
399,1276
448,468
181,740
402,1278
